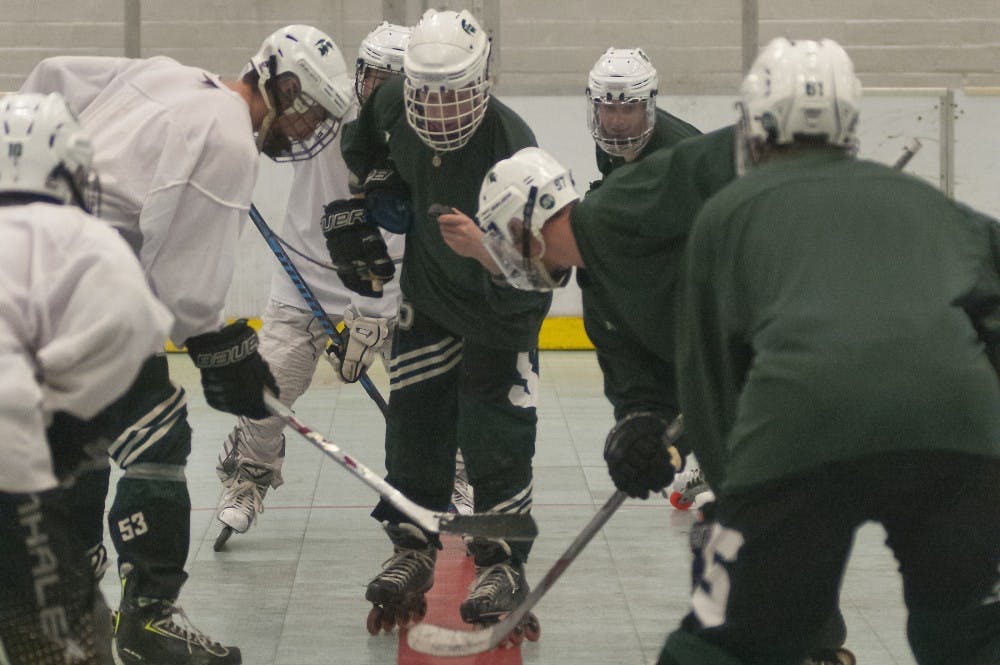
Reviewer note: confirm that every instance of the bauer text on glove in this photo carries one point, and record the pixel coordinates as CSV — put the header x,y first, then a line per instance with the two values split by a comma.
x,y
356,247
233,374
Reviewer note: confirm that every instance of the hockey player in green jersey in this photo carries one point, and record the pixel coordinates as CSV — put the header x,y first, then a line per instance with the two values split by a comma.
x,y
627,125
464,367
630,234
839,323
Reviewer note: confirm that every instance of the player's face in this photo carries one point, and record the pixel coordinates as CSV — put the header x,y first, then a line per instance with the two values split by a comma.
x,y
622,120
449,111
299,124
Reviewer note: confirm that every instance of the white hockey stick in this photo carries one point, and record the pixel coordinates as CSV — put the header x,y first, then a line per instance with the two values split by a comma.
x,y
439,641
488,525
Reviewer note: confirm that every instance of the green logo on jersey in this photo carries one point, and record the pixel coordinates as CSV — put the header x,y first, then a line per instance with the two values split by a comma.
x,y
468,27
546,201
324,46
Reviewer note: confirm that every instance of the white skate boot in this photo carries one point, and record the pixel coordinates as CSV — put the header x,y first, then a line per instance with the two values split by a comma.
x,y
687,488
462,501
243,500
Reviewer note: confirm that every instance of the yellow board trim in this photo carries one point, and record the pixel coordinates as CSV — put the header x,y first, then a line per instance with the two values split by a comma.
x,y
562,333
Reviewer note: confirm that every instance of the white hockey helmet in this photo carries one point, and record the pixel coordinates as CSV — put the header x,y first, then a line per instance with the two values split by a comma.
x,y
447,85
518,195
380,56
44,151
801,90
621,96
305,84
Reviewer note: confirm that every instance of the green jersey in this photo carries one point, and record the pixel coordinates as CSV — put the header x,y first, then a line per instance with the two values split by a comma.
x,y
456,292
631,233
830,313
631,382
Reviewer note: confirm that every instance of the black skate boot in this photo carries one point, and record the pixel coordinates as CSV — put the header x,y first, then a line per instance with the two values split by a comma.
x,y
499,587
146,634
397,593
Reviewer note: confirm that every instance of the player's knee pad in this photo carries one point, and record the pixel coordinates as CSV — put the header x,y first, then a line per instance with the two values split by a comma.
x,y
160,435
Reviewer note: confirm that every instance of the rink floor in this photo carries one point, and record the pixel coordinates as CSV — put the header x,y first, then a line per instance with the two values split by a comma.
x,y
291,591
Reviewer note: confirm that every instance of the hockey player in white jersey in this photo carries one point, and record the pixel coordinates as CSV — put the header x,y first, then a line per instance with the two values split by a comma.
x,y
77,321
179,147
292,340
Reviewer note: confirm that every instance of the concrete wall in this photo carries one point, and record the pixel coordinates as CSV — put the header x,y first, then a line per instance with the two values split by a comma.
x,y
546,47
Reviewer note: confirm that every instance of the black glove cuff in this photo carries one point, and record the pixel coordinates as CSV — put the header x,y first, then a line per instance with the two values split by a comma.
x,y
231,345
636,424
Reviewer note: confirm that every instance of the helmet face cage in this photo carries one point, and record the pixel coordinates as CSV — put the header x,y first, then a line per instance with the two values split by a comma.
x,y
622,127
621,94
44,151
305,84
446,119
447,87
367,77
800,91
302,127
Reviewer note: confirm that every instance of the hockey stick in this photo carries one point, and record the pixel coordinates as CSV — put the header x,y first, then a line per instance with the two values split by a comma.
x,y
439,641
275,244
911,148
487,525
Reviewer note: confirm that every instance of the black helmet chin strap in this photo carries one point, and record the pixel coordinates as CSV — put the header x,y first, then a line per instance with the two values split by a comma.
x,y
529,209
60,171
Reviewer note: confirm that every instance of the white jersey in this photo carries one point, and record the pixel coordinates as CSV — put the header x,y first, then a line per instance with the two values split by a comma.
x,y
315,183
76,323
177,160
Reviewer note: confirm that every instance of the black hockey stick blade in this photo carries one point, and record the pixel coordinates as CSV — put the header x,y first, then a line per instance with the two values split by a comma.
x,y
490,525
224,536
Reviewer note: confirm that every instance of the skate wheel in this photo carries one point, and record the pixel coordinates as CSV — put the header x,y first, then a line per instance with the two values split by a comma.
x,y
374,621
677,501
224,535
532,629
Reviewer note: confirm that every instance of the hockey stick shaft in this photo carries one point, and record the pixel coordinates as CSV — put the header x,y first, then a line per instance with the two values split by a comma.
x,y
911,149
310,298
508,527
445,642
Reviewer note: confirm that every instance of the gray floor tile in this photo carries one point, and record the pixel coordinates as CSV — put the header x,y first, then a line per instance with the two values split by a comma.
x,y
291,591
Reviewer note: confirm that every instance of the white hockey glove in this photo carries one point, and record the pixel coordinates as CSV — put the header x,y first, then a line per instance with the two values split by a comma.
x,y
365,336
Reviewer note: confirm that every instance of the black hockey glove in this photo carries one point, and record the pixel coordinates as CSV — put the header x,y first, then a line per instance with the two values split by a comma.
x,y
356,247
640,458
233,375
